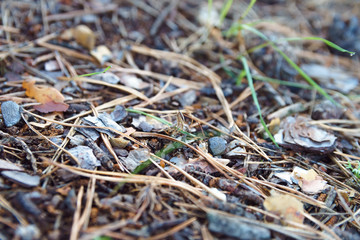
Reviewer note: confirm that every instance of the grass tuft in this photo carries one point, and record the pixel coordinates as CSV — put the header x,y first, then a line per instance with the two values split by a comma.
x,y
253,93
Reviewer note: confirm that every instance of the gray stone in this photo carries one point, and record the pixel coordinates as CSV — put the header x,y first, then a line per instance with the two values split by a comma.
x,y
135,158
188,98
11,113
217,145
146,127
119,113
236,227
104,120
22,178
6,165
86,157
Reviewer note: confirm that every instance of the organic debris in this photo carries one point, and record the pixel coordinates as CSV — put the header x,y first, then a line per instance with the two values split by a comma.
x,y
309,181
298,134
285,206
52,100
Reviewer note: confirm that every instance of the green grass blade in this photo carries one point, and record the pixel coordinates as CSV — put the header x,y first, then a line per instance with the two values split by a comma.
x,y
304,75
282,82
225,10
260,46
291,63
327,42
253,93
240,76
94,73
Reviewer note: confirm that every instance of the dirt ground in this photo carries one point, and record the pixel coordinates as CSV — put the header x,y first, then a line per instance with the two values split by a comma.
x,y
147,119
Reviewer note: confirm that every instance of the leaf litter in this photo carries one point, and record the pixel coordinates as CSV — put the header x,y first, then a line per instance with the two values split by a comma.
x,y
166,144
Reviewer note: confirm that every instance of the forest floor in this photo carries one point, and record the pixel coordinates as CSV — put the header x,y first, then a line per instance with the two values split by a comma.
x,y
179,119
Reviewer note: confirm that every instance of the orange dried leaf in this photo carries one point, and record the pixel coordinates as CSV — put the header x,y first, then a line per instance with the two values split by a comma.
x,y
42,94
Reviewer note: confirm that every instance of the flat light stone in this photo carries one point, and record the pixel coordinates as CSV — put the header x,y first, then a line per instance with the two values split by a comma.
x,y
22,178
119,113
86,157
135,158
5,165
11,113
235,227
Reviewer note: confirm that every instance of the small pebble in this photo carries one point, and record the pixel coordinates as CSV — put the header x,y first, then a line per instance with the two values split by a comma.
x,y
217,145
11,113
86,157
135,158
235,227
22,178
107,77
119,113
327,110
28,232
146,127
7,165
188,98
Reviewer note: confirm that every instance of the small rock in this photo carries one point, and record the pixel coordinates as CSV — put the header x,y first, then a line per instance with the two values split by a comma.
x,y
77,140
235,227
104,120
5,165
89,133
327,110
11,113
101,53
119,113
146,127
22,178
217,145
121,152
28,232
51,66
86,157
107,77
108,122
135,158
188,98
136,121
133,81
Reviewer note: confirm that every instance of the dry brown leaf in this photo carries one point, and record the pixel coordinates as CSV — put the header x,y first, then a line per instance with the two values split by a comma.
x,y
84,36
309,181
42,94
52,100
285,206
